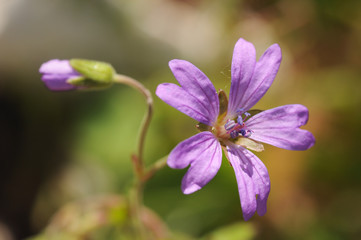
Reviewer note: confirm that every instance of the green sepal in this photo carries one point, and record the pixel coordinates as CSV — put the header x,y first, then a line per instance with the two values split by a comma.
x,y
223,102
95,74
85,83
78,81
203,127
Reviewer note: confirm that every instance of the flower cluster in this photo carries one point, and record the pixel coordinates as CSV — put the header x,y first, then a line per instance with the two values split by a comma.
x,y
231,125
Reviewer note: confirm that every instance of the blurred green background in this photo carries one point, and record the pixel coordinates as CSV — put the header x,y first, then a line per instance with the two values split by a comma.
x,y
61,147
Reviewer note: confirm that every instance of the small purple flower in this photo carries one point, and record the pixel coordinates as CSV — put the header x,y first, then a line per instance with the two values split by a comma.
x,y
234,130
56,74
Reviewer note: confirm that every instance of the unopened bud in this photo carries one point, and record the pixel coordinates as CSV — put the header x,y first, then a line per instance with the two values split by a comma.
x,y
64,75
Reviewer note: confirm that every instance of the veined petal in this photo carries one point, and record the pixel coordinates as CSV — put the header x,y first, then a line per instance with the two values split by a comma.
x,y
252,179
181,100
197,85
247,90
280,127
290,139
286,116
261,180
243,64
246,189
204,153
265,72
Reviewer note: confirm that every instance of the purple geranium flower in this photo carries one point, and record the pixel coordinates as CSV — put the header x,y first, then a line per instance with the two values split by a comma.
x,y
56,74
232,126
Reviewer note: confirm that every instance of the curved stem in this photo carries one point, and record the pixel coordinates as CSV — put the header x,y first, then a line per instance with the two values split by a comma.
x,y
142,175
138,159
136,194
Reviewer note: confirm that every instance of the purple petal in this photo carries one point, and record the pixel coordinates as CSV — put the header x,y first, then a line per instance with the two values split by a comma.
x,y
246,189
57,67
243,64
263,76
248,90
203,152
56,73
280,127
188,104
57,83
180,99
198,86
252,178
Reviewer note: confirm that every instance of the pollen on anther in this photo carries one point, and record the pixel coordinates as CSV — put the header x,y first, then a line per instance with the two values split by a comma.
x,y
240,120
229,125
245,132
234,134
240,111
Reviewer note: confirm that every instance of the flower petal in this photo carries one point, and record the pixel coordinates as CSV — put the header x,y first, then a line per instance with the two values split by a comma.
x,y
246,89
250,144
243,64
247,192
57,67
252,178
264,73
280,127
180,99
197,85
56,73
57,83
203,152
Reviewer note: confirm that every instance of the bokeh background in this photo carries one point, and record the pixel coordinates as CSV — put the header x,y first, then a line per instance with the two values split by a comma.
x,y
56,148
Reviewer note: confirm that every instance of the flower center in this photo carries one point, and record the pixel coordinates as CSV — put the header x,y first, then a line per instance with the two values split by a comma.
x,y
234,128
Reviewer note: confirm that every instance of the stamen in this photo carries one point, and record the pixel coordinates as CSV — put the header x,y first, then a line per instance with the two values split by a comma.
x,y
229,125
245,132
234,134
248,133
240,111
238,127
247,115
240,120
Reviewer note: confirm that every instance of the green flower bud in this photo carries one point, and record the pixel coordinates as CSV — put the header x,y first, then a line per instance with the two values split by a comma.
x,y
94,74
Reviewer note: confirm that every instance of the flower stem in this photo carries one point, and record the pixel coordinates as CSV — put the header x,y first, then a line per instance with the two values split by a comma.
x,y
136,207
162,162
136,194
138,158
142,174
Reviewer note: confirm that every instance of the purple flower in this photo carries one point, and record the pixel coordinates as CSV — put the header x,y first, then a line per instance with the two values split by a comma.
x,y
56,74
231,126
